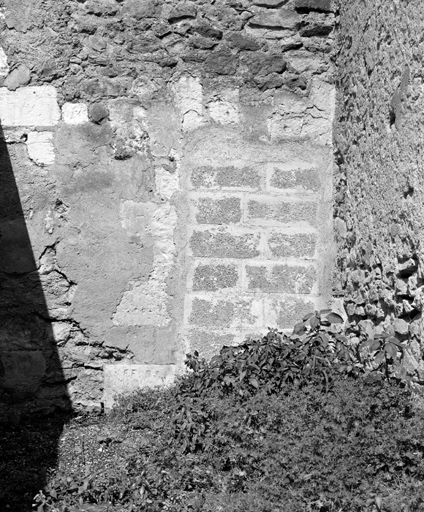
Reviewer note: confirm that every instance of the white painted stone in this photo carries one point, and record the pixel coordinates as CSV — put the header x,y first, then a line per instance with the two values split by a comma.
x,y
12,135
40,147
224,109
29,106
166,183
4,66
188,93
126,378
75,113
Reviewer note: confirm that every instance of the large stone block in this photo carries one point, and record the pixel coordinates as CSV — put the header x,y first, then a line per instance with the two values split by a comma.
x,y
222,244
299,245
226,313
215,277
315,5
281,278
271,212
282,177
212,210
29,106
226,177
284,312
75,113
40,147
125,378
282,19
208,343
188,94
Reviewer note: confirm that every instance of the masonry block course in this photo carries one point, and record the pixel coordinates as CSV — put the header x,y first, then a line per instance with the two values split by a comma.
x,y
285,311
214,277
226,177
281,279
268,212
299,245
299,179
208,343
226,313
224,244
212,210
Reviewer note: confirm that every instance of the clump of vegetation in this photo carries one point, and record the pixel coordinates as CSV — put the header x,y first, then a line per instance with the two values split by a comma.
x,y
308,422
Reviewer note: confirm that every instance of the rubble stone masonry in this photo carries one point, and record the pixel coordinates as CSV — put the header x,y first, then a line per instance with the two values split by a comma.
x,y
165,186
379,181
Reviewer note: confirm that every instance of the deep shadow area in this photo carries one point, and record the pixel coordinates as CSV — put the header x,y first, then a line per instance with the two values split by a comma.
x,y
34,402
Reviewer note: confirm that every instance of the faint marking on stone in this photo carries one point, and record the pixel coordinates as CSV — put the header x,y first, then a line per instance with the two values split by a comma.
x,y
126,378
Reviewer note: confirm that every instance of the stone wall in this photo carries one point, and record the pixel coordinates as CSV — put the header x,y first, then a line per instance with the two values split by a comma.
x,y
379,189
171,164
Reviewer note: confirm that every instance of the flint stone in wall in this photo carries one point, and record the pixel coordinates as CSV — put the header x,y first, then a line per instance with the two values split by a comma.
x,y
283,19
102,7
316,25
222,62
185,10
18,77
270,3
242,42
206,30
315,5
98,112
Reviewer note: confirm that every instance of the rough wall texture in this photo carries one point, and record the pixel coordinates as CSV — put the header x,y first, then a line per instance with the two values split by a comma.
x,y
173,162
379,189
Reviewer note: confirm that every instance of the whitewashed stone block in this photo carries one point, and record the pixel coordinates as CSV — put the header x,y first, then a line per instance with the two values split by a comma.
x,y
40,147
125,378
29,106
75,113
4,66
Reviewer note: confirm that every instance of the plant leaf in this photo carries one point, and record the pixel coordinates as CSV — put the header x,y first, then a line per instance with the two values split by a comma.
x,y
254,383
313,322
391,350
299,328
334,318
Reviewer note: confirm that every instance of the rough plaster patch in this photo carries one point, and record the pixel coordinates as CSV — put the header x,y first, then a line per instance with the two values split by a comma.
x,y
145,87
40,147
124,378
4,67
136,216
129,123
224,109
188,95
49,223
146,303
75,113
29,106
166,183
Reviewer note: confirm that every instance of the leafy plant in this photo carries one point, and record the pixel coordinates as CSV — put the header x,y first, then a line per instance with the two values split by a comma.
x,y
318,420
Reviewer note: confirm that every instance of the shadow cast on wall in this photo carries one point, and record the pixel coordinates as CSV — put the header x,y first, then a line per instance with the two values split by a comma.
x,y
34,402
